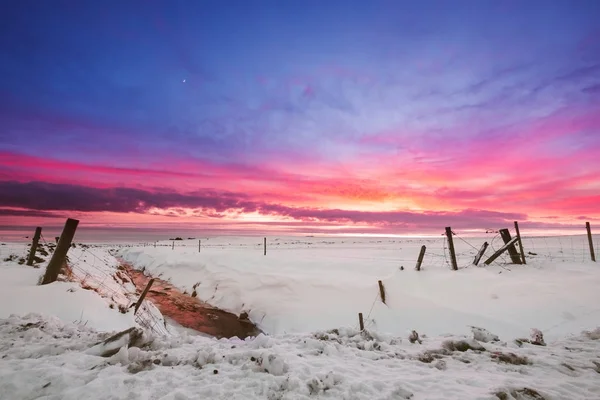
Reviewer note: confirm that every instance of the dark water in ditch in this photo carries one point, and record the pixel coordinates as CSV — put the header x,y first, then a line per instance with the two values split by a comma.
x,y
190,312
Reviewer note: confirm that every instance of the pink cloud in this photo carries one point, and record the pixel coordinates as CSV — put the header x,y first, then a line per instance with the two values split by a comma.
x,y
536,169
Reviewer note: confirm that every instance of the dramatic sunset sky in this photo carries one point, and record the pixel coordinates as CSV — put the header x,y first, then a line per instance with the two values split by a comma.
x,y
300,116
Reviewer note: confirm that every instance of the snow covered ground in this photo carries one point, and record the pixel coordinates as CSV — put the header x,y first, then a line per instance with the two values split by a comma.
x,y
306,293
46,358
95,296
307,284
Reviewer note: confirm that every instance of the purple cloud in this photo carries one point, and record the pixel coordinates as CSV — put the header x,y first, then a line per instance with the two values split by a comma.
x,y
41,199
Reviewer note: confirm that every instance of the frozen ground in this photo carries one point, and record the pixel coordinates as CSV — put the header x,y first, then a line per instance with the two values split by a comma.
x,y
306,293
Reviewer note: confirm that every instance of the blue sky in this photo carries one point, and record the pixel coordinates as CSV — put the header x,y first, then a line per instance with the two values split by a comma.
x,y
330,93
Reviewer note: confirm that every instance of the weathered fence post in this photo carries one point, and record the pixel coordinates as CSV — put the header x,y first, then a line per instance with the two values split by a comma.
x,y
501,250
512,251
59,256
589,234
199,245
451,247
480,253
420,259
144,293
34,244
381,292
173,247
520,242
361,322
265,246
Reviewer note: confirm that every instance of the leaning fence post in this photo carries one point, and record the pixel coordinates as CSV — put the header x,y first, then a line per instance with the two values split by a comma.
x,y
381,292
144,293
589,235
265,246
501,250
59,256
34,244
361,323
520,242
480,253
420,259
512,251
451,247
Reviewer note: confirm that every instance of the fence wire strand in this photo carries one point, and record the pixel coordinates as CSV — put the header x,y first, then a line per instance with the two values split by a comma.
x,y
96,271
99,281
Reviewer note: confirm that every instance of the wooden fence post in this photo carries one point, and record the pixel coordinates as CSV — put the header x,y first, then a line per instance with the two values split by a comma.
x,y
589,234
512,251
520,242
451,247
57,238
199,245
59,257
265,246
381,292
501,250
144,293
420,259
480,253
173,247
34,244
361,322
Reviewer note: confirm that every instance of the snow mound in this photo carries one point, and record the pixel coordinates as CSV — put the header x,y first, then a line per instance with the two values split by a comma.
x,y
483,335
96,297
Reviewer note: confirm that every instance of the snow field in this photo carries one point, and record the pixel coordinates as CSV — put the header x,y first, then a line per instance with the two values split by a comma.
x,y
298,294
310,284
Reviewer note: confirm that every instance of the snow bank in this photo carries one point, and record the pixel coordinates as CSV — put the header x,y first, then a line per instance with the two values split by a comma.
x,y
45,358
20,293
307,285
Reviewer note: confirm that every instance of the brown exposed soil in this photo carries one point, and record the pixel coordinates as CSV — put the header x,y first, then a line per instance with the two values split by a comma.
x,y
188,311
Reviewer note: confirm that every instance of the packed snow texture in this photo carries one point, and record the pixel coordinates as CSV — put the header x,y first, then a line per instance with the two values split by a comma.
x,y
310,284
46,358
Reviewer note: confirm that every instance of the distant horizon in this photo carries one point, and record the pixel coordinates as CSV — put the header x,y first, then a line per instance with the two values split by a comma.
x,y
141,234
338,117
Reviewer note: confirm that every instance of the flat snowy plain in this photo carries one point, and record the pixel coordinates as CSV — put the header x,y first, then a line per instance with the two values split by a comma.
x,y
305,295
